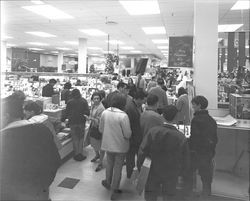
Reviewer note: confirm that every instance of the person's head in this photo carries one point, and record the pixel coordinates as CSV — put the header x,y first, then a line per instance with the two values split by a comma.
x,y
52,82
130,81
199,103
78,81
12,109
169,112
139,97
31,109
123,88
67,85
96,98
102,93
118,101
152,101
76,94
181,91
153,78
160,81
139,75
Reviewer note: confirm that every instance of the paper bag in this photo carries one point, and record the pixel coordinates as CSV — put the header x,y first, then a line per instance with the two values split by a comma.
x,y
143,176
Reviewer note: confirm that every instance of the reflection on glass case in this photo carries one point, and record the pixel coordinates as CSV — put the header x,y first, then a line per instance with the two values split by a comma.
x,y
239,106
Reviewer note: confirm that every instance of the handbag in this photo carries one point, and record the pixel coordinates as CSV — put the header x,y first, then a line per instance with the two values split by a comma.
x,y
94,132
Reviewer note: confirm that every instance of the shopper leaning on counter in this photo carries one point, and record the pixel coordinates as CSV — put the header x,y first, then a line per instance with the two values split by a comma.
x,y
29,157
48,89
75,112
95,136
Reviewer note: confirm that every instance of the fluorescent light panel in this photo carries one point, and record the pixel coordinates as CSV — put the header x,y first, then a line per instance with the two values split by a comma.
x,y
154,30
162,47
48,11
94,48
63,48
38,43
159,41
71,42
11,45
141,7
135,51
115,42
241,5
229,27
108,52
38,49
37,2
93,32
40,34
127,48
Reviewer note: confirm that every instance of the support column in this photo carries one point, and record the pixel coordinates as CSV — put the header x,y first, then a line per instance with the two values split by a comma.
x,y
60,62
132,65
206,50
82,56
3,56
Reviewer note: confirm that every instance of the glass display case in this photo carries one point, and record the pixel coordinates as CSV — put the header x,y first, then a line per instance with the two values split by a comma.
x,y
239,106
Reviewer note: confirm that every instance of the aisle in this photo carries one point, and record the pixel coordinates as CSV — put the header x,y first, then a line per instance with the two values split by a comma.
x,y
89,187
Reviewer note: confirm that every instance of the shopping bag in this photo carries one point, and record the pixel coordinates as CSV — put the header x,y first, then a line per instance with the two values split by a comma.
x,y
86,141
143,176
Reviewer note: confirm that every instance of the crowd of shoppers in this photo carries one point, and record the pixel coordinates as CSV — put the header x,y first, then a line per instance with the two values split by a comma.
x,y
121,128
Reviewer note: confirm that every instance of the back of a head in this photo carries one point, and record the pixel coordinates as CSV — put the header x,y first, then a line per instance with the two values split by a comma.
x,y
76,94
200,100
33,106
52,81
160,81
152,99
139,94
102,93
169,112
121,85
181,91
118,101
67,85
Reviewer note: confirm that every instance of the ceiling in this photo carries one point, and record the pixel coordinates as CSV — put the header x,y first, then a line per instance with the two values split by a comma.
x,y
175,15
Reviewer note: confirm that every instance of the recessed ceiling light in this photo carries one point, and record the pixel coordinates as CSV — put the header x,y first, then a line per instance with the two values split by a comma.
x,y
55,52
71,42
11,45
48,11
229,27
154,30
93,32
41,34
141,7
127,48
115,42
37,2
162,47
135,51
158,41
38,49
94,48
63,48
241,5
38,43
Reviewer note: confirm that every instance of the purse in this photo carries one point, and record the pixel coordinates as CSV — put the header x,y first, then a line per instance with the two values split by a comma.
x,y
95,133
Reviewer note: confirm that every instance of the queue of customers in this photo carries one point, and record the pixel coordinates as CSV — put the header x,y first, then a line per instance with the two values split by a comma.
x,y
125,128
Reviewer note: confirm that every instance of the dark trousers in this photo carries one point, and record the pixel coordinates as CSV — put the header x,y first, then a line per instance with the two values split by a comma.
x,y
156,186
130,160
205,166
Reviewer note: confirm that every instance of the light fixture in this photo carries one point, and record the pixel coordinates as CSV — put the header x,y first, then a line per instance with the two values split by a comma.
x,y
164,51
4,37
63,48
162,47
115,42
247,47
54,52
159,41
95,54
37,49
241,5
127,48
154,30
71,42
11,45
141,7
108,52
37,2
219,39
48,11
229,27
94,48
93,32
135,51
38,43
40,34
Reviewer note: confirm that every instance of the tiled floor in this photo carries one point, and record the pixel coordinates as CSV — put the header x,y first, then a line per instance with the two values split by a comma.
x,y
89,187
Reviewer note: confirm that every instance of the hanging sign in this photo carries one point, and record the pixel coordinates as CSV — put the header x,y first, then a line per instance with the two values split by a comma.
x,y
180,51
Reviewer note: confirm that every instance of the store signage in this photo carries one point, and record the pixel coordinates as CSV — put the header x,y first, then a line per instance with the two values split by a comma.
x,y
180,51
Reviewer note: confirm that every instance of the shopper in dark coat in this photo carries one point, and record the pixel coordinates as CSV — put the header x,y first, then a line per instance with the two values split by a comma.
x,y
168,149
48,90
202,144
134,111
65,94
29,157
76,109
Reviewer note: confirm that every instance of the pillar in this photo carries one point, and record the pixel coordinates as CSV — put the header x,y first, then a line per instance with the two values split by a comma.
x,y
132,65
82,56
60,62
3,56
206,50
